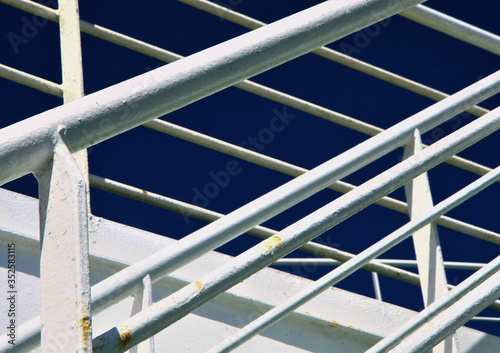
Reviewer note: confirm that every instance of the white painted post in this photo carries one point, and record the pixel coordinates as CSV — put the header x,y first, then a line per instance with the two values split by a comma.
x,y
426,242
64,263
71,62
144,299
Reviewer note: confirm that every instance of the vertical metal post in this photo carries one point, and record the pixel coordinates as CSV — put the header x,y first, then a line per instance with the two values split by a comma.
x,y
376,286
71,62
144,299
64,263
426,242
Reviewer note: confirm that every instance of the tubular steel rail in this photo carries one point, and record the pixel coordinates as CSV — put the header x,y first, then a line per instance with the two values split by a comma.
x,y
52,146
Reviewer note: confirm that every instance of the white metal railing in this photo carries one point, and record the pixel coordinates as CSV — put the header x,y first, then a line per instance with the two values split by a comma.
x,y
75,126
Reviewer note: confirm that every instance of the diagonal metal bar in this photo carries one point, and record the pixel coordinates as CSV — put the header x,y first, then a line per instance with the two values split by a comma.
x,y
452,318
29,80
453,27
334,255
184,301
490,287
64,262
280,166
334,55
351,266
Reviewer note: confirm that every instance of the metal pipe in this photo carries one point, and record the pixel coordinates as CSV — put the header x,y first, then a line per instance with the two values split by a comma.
x,y
376,286
29,80
351,266
402,263
482,318
290,169
34,8
334,55
454,27
444,316
184,301
116,109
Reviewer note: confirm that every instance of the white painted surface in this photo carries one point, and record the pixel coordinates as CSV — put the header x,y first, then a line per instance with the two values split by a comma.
x,y
335,321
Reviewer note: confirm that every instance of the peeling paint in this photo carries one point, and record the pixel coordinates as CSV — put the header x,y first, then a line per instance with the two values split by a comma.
x,y
199,286
272,243
333,324
85,325
125,337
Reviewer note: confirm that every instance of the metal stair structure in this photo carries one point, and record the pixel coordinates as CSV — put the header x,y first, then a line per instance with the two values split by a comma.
x,y
76,281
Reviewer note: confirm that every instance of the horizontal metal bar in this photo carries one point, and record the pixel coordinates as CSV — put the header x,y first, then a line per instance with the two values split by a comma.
x,y
454,27
368,254
29,80
293,170
482,318
332,55
266,92
433,324
402,263
184,301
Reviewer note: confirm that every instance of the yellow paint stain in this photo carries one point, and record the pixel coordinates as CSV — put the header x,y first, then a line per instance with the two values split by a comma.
x,y
333,324
85,325
199,286
272,243
125,337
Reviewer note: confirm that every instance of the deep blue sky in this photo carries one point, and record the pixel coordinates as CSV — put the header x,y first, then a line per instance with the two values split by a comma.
x,y
174,168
